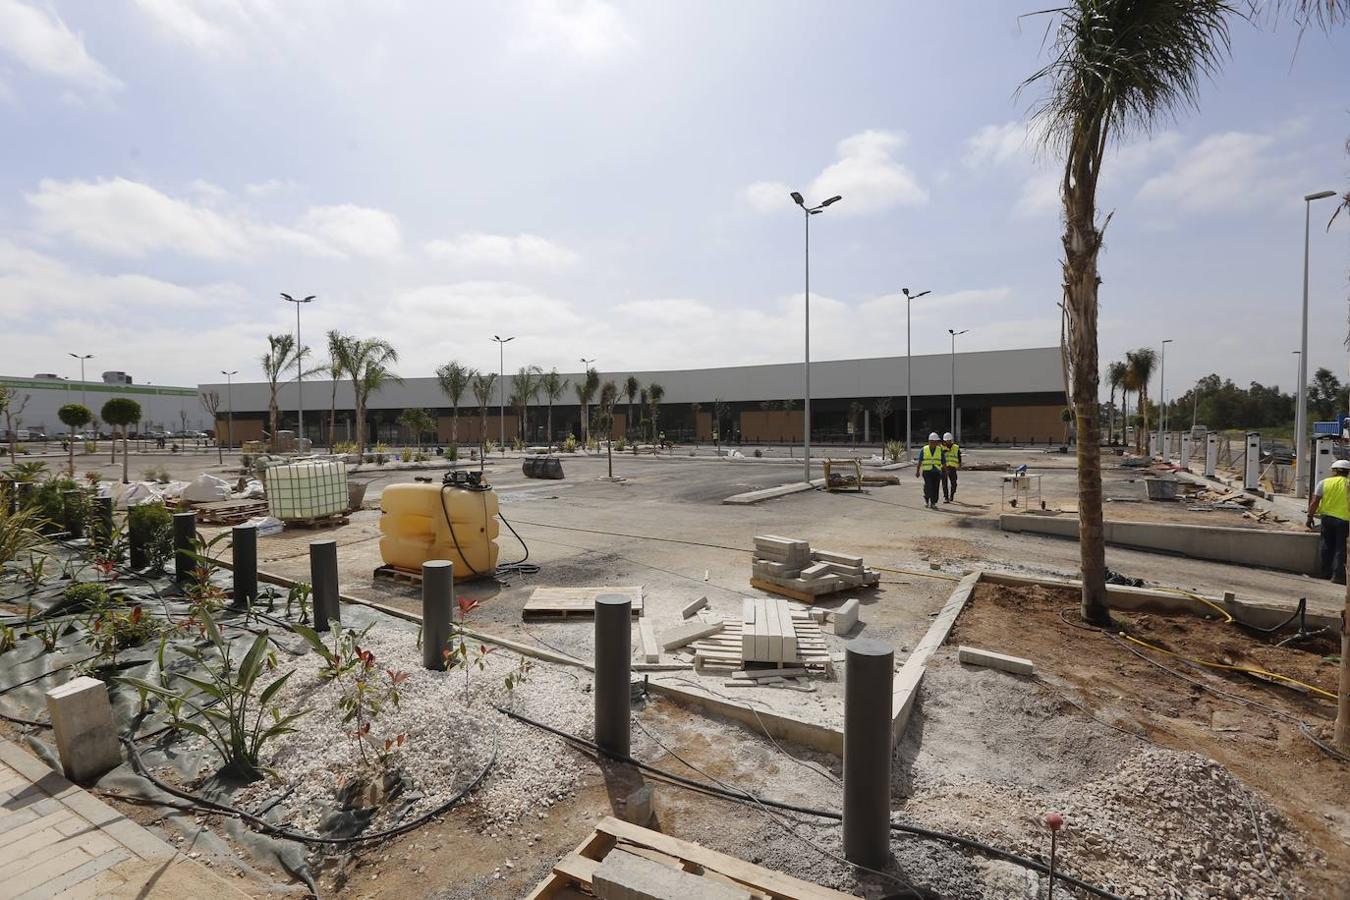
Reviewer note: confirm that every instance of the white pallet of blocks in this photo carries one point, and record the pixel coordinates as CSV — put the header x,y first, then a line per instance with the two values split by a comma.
x,y
767,632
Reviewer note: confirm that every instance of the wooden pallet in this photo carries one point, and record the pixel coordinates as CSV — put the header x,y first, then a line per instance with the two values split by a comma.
x,y
413,577
229,512
723,649
547,600
318,521
572,875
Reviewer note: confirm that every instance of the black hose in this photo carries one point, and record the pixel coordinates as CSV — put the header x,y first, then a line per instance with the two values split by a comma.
x,y
747,797
1299,613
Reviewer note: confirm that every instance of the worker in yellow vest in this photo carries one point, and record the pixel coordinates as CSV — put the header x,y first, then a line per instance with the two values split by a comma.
x,y
951,463
930,467
1331,502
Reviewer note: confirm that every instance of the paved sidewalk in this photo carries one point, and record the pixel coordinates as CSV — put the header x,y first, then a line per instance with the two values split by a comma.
x,y
58,840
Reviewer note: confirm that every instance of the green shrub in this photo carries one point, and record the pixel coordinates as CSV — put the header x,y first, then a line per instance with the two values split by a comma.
x,y
895,449
87,595
150,528
570,445
452,452
50,503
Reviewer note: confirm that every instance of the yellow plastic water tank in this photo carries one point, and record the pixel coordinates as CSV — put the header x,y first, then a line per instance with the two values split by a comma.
x,y
416,525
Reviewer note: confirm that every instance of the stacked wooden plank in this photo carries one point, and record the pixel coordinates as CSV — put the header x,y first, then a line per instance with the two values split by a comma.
x,y
789,567
724,647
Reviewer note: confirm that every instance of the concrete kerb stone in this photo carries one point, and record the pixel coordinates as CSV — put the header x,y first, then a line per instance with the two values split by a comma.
x,y
778,725
82,724
782,490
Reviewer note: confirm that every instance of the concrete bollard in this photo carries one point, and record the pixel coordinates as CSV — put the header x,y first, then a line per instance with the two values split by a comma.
x,y
1251,472
72,508
613,658
869,672
438,609
1211,454
184,533
323,577
244,545
103,517
82,723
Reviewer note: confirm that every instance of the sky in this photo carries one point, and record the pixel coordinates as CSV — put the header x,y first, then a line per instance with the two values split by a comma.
x,y
610,181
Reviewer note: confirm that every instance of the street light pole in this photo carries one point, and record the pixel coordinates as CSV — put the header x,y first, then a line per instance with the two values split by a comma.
x,y
299,367
501,410
1301,413
1162,399
953,413
807,213
229,406
909,374
84,401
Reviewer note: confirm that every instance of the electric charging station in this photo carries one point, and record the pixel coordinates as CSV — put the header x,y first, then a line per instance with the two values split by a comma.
x,y
1251,472
1211,454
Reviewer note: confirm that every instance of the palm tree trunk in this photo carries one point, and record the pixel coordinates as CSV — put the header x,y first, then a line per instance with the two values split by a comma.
x,y
454,425
273,412
360,427
332,420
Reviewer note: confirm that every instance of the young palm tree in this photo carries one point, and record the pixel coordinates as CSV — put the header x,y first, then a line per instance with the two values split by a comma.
x,y
418,421
655,393
366,362
524,388
609,396
1142,363
631,386
335,372
280,356
1115,377
882,408
454,379
483,383
585,390
553,385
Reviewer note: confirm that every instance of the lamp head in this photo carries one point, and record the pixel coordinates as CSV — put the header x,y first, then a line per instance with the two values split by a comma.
x,y
835,199
797,198
1320,195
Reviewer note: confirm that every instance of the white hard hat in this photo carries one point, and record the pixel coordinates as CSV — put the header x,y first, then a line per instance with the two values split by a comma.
x,y
947,436
1341,464
932,436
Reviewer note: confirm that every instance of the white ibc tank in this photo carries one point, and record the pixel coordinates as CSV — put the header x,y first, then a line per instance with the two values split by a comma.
x,y
307,490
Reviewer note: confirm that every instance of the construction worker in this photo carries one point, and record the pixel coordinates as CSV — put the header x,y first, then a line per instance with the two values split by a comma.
x,y
930,467
951,462
1331,502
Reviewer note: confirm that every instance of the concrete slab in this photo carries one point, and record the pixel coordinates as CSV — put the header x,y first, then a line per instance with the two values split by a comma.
x,y
973,656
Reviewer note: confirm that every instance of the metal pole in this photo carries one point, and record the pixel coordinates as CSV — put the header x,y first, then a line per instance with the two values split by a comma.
x,y
953,410
323,575
184,533
244,543
229,411
868,676
1162,398
501,409
438,603
806,408
1301,415
909,381
613,653
299,380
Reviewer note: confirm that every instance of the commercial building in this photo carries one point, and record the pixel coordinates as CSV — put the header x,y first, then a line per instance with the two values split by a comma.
x,y
162,407
1002,396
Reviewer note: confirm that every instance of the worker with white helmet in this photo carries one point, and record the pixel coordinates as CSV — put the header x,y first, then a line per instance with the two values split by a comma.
x,y
951,462
930,467
1330,500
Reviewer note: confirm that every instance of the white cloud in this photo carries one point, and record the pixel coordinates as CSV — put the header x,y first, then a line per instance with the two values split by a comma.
x,y
212,27
590,29
1231,172
866,174
270,187
476,248
891,307
358,230
998,145
40,40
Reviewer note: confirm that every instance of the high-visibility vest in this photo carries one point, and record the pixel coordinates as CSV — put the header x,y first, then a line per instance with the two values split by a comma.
x,y
1335,498
930,458
953,455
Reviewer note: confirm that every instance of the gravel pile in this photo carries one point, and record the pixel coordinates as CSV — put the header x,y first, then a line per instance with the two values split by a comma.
x,y
448,740
1161,824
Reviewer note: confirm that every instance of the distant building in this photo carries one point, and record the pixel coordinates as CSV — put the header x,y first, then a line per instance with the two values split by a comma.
x,y
163,407
1001,395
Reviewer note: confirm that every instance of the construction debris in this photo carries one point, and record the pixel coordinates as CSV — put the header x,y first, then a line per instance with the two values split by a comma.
x,y
689,611
787,566
973,656
723,647
689,632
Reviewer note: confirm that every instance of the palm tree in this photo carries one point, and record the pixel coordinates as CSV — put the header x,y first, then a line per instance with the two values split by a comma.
x,y
524,388
1141,363
454,379
655,393
585,390
631,386
483,383
280,356
1115,377
334,370
554,385
609,395
366,362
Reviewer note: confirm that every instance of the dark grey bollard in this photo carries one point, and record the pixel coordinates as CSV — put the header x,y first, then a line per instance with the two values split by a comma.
x,y
72,507
613,656
244,542
323,577
184,533
868,676
438,605
103,510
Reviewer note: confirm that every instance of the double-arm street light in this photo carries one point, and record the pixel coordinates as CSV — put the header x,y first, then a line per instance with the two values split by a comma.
x,y
229,407
1301,414
909,374
299,366
501,364
808,212
955,432
82,357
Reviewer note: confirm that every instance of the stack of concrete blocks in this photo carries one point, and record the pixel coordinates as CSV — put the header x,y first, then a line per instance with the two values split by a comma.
x,y
767,632
791,564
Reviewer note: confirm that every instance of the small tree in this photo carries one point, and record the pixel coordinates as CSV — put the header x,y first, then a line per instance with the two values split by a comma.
x,y
855,410
211,403
73,416
335,373
882,408
122,412
554,386
655,394
11,406
585,390
604,420
524,388
417,421
482,392
631,386
694,410
454,379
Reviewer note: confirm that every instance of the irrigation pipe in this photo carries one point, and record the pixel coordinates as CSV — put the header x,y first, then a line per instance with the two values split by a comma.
x,y
745,797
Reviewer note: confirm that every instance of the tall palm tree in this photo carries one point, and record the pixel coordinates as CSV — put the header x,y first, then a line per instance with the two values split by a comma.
x,y
655,393
1141,363
631,386
483,383
366,362
524,388
553,385
609,396
1115,377
454,378
281,355
335,372
585,390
